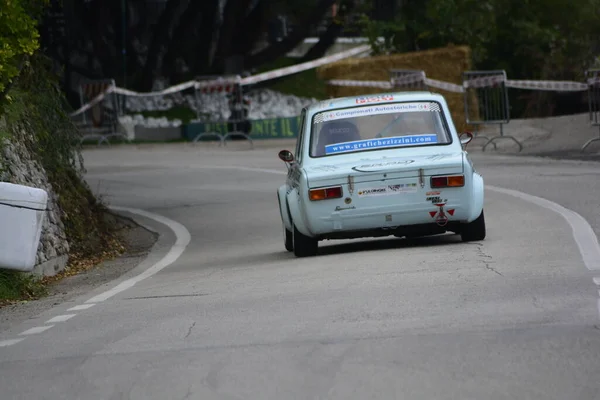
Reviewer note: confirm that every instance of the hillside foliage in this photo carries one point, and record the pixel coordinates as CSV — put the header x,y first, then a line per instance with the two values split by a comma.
x,y
19,37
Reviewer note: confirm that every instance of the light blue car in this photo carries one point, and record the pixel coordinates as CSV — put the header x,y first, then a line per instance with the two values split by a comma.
x,y
387,164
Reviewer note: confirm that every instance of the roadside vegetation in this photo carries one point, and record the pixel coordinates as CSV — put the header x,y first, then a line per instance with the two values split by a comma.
x,y
33,112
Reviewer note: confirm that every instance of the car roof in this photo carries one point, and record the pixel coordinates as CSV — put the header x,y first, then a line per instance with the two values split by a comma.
x,y
351,101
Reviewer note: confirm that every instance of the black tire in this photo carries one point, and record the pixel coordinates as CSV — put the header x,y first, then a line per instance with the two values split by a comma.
x,y
288,239
474,231
304,246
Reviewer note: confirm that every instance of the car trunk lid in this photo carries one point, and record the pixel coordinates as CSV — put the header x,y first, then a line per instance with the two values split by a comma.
x,y
391,168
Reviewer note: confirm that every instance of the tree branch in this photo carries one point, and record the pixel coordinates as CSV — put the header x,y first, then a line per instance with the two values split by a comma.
x,y
333,31
276,50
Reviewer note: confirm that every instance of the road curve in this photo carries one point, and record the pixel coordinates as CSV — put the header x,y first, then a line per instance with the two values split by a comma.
x,y
232,315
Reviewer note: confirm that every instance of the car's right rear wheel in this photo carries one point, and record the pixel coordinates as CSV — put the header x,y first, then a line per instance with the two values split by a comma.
x,y
304,246
474,230
288,239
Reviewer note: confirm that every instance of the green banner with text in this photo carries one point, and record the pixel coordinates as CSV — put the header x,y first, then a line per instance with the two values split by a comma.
x,y
272,128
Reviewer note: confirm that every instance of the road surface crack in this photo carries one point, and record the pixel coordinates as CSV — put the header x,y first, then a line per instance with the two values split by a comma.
x,y
190,330
486,259
189,393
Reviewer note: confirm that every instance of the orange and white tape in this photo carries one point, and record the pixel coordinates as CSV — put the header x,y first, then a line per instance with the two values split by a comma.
x,y
349,82
225,84
265,76
556,86
484,81
93,102
450,87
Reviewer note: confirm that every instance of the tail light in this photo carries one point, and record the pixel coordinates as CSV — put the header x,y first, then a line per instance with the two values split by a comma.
x,y
447,181
325,193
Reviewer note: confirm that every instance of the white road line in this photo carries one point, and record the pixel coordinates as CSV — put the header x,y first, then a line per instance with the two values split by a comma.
x,y
81,307
265,170
584,235
10,342
183,239
60,318
36,330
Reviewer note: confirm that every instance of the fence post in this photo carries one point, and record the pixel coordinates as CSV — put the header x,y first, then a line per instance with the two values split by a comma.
x,y
104,115
222,84
488,88
593,82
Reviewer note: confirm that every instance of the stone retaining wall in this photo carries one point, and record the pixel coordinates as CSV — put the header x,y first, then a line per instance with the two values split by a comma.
x,y
18,166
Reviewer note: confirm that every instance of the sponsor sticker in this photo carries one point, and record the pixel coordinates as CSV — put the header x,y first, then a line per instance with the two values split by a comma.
x,y
397,141
388,190
377,166
374,99
435,199
438,157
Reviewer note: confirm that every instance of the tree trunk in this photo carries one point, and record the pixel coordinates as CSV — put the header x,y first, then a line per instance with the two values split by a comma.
x,y
233,16
159,39
206,37
248,33
99,18
196,14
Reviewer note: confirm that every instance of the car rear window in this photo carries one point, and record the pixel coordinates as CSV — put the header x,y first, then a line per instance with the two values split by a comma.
x,y
378,127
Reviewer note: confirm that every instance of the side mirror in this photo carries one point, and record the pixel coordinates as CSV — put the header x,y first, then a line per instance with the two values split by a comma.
x,y
465,138
286,156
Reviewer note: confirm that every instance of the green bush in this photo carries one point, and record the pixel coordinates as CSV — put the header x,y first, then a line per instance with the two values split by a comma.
x,y
18,36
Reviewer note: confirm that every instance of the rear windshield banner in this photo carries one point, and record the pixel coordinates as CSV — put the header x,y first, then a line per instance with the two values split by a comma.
x,y
376,110
380,143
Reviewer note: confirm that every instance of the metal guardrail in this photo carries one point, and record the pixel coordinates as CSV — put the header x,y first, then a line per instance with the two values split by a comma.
x,y
486,102
235,130
234,89
593,81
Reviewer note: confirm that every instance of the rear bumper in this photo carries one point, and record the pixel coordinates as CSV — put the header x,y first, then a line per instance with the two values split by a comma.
x,y
389,218
407,230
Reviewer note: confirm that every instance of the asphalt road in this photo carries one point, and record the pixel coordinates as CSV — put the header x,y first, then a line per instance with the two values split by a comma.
x,y
238,317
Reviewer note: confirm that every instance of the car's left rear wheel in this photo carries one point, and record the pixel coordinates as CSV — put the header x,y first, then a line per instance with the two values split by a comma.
x,y
304,246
